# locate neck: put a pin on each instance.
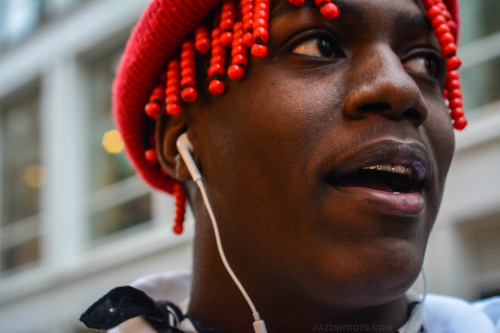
(216, 301)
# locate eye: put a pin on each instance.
(430, 65)
(320, 46)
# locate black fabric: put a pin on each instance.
(203, 328)
(123, 303)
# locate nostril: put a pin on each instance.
(375, 107)
(414, 114)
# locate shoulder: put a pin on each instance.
(172, 286)
(134, 325)
(447, 314)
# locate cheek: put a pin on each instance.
(264, 136)
(440, 137)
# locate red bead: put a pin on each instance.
(298, 3)
(259, 50)
(226, 38)
(453, 27)
(153, 110)
(189, 94)
(157, 95)
(453, 63)
(177, 229)
(238, 48)
(442, 29)
(216, 87)
(453, 84)
(151, 156)
(173, 64)
(457, 113)
(173, 90)
(455, 103)
(460, 123)
(455, 93)
(437, 21)
(261, 33)
(173, 74)
(452, 75)
(203, 45)
(219, 50)
(261, 14)
(226, 24)
(235, 72)
(188, 81)
(241, 60)
(173, 99)
(433, 12)
(428, 3)
(330, 11)
(260, 23)
(188, 63)
(188, 71)
(173, 109)
(248, 39)
(445, 39)
(216, 69)
(201, 39)
(449, 49)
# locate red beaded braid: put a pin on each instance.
(239, 54)
(188, 72)
(180, 209)
(153, 108)
(328, 9)
(260, 26)
(173, 89)
(217, 64)
(247, 20)
(227, 19)
(240, 27)
(202, 39)
(444, 29)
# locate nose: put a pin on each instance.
(380, 85)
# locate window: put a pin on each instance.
(119, 200)
(480, 48)
(480, 17)
(18, 18)
(481, 83)
(22, 177)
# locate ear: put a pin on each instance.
(167, 131)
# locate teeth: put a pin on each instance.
(394, 168)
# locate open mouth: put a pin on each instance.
(392, 178)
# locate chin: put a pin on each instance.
(369, 276)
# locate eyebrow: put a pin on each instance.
(414, 21)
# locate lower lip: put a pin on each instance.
(401, 204)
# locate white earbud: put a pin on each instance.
(185, 148)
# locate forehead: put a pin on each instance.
(397, 17)
(359, 9)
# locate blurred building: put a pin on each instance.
(75, 221)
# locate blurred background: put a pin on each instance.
(76, 221)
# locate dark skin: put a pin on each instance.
(329, 99)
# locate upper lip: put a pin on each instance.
(410, 154)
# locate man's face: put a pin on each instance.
(325, 165)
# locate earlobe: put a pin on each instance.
(168, 129)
